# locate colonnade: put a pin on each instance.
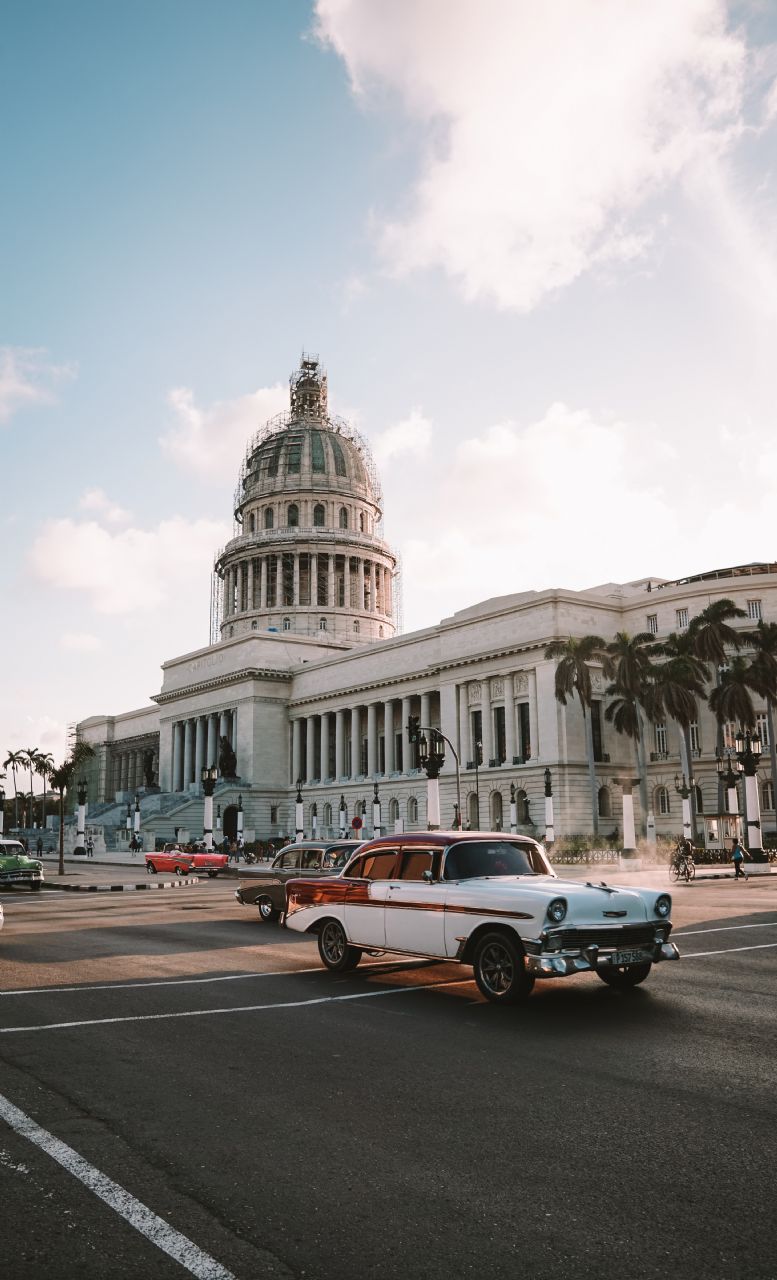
(196, 744)
(324, 580)
(128, 773)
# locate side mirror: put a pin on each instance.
(427, 877)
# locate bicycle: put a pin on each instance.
(682, 865)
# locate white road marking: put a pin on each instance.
(246, 1008)
(694, 955)
(160, 1233)
(724, 928)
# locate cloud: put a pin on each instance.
(548, 130)
(27, 379)
(80, 642)
(409, 438)
(131, 571)
(43, 732)
(98, 501)
(212, 441)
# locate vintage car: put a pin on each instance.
(482, 898)
(17, 868)
(183, 863)
(266, 887)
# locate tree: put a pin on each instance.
(764, 673)
(29, 757)
(632, 668)
(13, 761)
(675, 685)
(573, 676)
(61, 777)
(732, 699)
(711, 636)
(44, 763)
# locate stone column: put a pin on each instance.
(360, 584)
(250, 600)
(388, 735)
(406, 748)
(356, 742)
(177, 756)
(324, 746)
(211, 741)
(426, 705)
(331, 582)
(278, 581)
(233, 729)
(510, 718)
(534, 731)
(486, 718)
(339, 744)
(224, 724)
(263, 582)
(373, 587)
(199, 748)
(314, 580)
(225, 609)
(372, 739)
(295, 579)
(310, 753)
(296, 749)
(124, 771)
(187, 753)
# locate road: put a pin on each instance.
(251, 1115)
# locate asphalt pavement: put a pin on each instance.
(209, 1101)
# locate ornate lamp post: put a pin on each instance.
(414, 729)
(431, 757)
(729, 780)
(239, 820)
(343, 813)
(209, 777)
(128, 819)
(2, 810)
(476, 763)
(299, 818)
(136, 818)
(377, 826)
(80, 846)
(314, 820)
(747, 747)
(629, 830)
(513, 809)
(684, 792)
(550, 830)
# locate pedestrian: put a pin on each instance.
(738, 857)
(89, 847)
(39, 846)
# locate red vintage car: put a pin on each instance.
(183, 863)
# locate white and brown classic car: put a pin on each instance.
(265, 887)
(486, 899)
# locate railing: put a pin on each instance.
(294, 532)
(585, 856)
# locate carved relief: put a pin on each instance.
(498, 687)
(597, 681)
(521, 682)
(474, 693)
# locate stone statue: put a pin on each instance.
(148, 768)
(227, 758)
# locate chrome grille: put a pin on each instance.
(636, 935)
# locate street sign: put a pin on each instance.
(356, 823)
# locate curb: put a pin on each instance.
(119, 888)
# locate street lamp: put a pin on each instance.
(747, 748)
(629, 831)
(209, 776)
(376, 815)
(343, 816)
(684, 792)
(729, 779)
(513, 809)
(414, 728)
(550, 830)
(239, 822)
(299, 820)
(475, 764)
(314, 820)
(81, 791)
(431, 757)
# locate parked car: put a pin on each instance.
(16, 867)
(266, 888)
(482, 898)
(183, 863)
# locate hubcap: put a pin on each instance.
(265, 908)
(333, 944)
(497, 969)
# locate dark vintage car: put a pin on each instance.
(266, 887)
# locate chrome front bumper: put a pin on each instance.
(560, 964)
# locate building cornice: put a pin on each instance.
(222, 682)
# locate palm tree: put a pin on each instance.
(573, 676)
(632, 665)
(61, 777)
(711, 636)
(764, 672)
(29, 758)
(13, 761)
(675, 685)
(44, 763)
(732, 699)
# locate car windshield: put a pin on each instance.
(339, 857)
(490, 858)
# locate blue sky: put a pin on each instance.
(536, 254)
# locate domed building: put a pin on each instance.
(308, 554)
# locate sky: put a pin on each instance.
(535, 247)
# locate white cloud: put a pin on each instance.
(43, 732)
(131, 571)
(548, 128)
(80, 642)
(211, 441)
(97, 500)
(409, 438)
(27, 378)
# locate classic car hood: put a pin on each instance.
(12, 862)
(585, 901)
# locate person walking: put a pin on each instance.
(39, 846)
(89, 847)
(738, 857)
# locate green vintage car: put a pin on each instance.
(16, 867)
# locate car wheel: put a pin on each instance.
(267, 912)
(625, 976)
(335, 950)
(180, 871)
(212, 875)
(35, 886)
(500, 969)
(150, 869)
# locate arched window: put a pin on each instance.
(292, 515)
(380, 633)
(342, 815)
(322, 624)
(412, 809)
(699, 800)
(662, 801)
(269, 519)
(496, 811)
(393, 812)
(252, 523)
(253, 625)
(343, 517)
(287, 624)
(605, 803)
(319, 515)
(231, 631)
(767, 796)
(361, 522)
(473, 819)
(328, 816)
(356, 625)
(338, 456)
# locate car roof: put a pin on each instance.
(321, 844)
(444, 837)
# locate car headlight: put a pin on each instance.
(663, 905)
(557, 909)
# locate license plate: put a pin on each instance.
(629, 957)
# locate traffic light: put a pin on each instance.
(413, 728)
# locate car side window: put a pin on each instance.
(380, 866)
(289, 860)
(414, 863)
(311, 860)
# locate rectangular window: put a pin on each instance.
(661, 737)
(500, 740)
(682, 619)
(524, 734)
(754, 610)
(294, 457)
(663, 801)
(477, 732)
(762, 725)
(729, 734)
(399, 760)
(652, 623)
(694, 732)
(596, 729)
